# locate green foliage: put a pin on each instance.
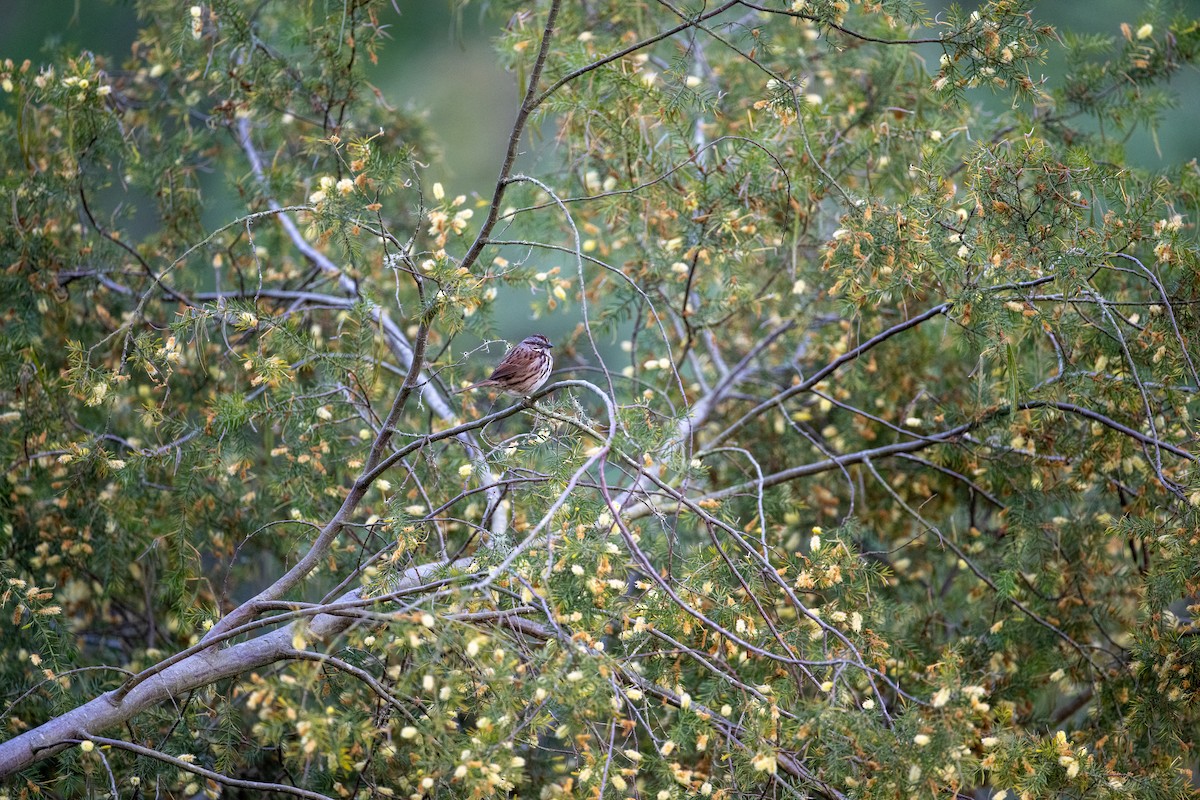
(887, 487)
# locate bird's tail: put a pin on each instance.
(474, 386)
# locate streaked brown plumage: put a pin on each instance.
(523, 369)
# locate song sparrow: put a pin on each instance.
(523, 369)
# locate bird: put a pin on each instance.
(523, 369)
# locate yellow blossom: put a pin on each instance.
(97, 395)
(764, 762)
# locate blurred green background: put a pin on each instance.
(441, 62)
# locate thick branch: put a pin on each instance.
(201, 669)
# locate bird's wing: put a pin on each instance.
(511, 367)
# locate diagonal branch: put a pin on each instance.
(195, 769)
(202, 668)
(531, 101)
(829, 368)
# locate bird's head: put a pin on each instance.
(537, 341)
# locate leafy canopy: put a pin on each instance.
(871, 471)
